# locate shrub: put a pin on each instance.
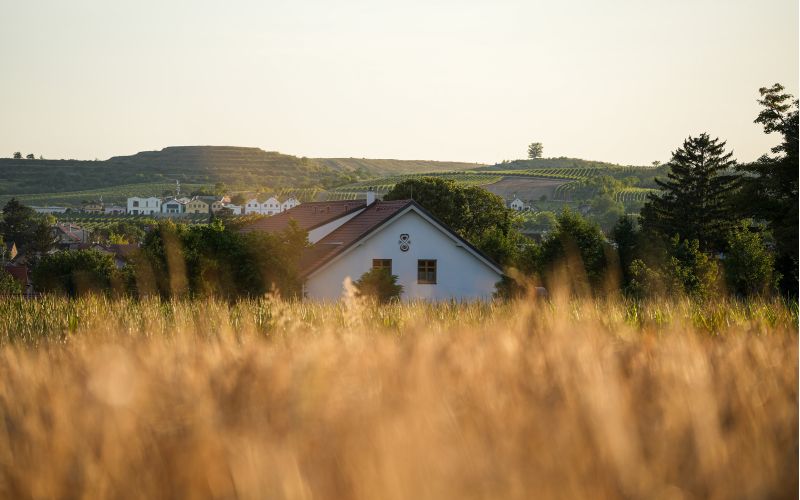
(748, 264)
(379, 284)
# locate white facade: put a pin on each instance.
(461, 273)
(173, 207)
(289, 203)
(517, 204)
(235, 209)
(252, 207)
(50, 210)
(144, 206)
(271, 207)
(114, 209)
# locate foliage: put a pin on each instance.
(579, 248)
(74, 273)
(695, 201)
(9, 285)
(30, 231)
(379, 284)
(474, 213)
(770, 186)
(748, 265)
(535, 150)
(684, 271)
(214, 260)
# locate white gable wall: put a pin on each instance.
(460, 274)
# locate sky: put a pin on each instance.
(624, 81)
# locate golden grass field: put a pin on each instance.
(103, 398)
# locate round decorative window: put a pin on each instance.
(404, 242)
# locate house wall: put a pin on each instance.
(460, 275)
(147, 206)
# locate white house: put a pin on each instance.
(271, 206)
(351, 237)
(144, 206)
(113, 210)
(50, 210)
(289, 203)
(252, 207)
(517, 204)
(235, 209)
(173, 207)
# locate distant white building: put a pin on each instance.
(113, 210)
(50, 210)
(289, 203)
(271, 207)
(173, 207)
(235, 209)
(144, 206)
(517, 204)
(252, 207)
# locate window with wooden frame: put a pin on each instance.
(382, 264)
(426, 272)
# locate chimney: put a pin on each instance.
(370, 196)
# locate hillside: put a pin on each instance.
(389, 167)
(238, 167)
(560, 162)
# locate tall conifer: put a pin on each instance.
(695, 201)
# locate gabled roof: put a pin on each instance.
(307, 215)
(372, 219)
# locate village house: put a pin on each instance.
(233, 209)
(271, 206)
(349, 238)
(252, 207)
(173, 207)
(517, 204)
(113, 210)
(69, 236)
(288, 204)
(144, 206)
(50, 210)
(196, 206)
(92, 207)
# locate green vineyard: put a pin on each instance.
(633, 194)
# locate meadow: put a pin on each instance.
(262, 398)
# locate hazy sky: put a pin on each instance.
(615, 80)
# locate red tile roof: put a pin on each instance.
(307, 215)
(350, 232)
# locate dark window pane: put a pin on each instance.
(426, 271)
(382, 264)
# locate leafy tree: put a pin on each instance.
(535, 150)
(30, 231)
(606, 211)
(683, 270)
(626, 238)
(695, 201)
(769, 190)
(379, 284)
(748, 265)
(213, 259)
(30, 156)
(74, 272)
(238, 199)
(9, 285)
(17, 155)
(580, 247)
(472, 212)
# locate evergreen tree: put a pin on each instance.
(695, 201)
(769, 191)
